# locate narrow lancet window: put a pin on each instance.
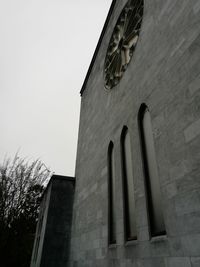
(112, 195)
(128, 186)
(154, 200)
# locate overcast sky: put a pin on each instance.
(46, 47)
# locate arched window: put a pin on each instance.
(128, 186)
(154, 201)
(112, 195)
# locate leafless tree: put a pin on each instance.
(21, 186)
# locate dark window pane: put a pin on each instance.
(129, 201)
(112, 195)
(152, 179)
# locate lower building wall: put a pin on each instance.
(58, 226)
(40, 230)
(52, 239)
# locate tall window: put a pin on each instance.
(128, 186)
(112, 195)
(156, 220)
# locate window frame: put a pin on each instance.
(147, 179)
(112, 237)
(125, 185)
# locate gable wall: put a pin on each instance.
(164, 73)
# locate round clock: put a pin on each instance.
(123, 42)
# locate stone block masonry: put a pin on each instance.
(164, 74)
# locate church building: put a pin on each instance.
(137, 179)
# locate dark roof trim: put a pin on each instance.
(62, 177)
(98, 46)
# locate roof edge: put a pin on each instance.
(62, 177)
(97, 47)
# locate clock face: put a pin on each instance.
(123, 42)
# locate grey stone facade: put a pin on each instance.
(52, 240)
(164, 73)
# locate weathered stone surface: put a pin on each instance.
(195, 261)
(192, 131)
(178, 262)
(163, 73)
(191, 245)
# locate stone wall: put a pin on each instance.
(54, 242)
(164, 73)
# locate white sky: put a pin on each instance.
(46, 47)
